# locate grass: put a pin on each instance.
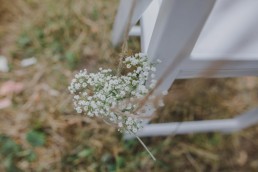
(41, 132)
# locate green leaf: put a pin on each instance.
(31, 156)
(56, 47)
(111, 167)
(106, 157)
(10, 165)
(71, 59)
(3, 138)
(94, 14)
(9, 147)
(85, 153)
(36, 138)
(120, 162)
(24, 40)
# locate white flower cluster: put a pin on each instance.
(111, 97)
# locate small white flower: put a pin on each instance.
(127, 88)
(78, 109)
(93, 104)
(153, 69)
(76, 97)
(164, 92)
(77, 86)
(134, 83)
(90, 114)
(145, 73)
(102, 97)
(84, 84)
(122, 93)
(120, 124)
(142, 54)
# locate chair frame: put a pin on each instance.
(184, 32)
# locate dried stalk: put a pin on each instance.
(122, 56)
(126, 35)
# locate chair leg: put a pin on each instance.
(174, 37)
(147, 23)
(123, 15)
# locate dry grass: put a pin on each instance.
(69, 35)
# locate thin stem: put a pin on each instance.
(146, 148)
(126, 34)
(127, 29)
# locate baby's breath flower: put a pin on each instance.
(111, 97)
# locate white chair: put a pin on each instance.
(195, 38)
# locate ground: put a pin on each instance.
(40, 131)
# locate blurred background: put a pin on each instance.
(42, 45)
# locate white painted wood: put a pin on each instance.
(135, 31)
(166, 129)
(229, 24)
(176, 31)
(123, 15)
(148, 21)
(230, 32)
(225, 125)
(228, 73)
(227, 68)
